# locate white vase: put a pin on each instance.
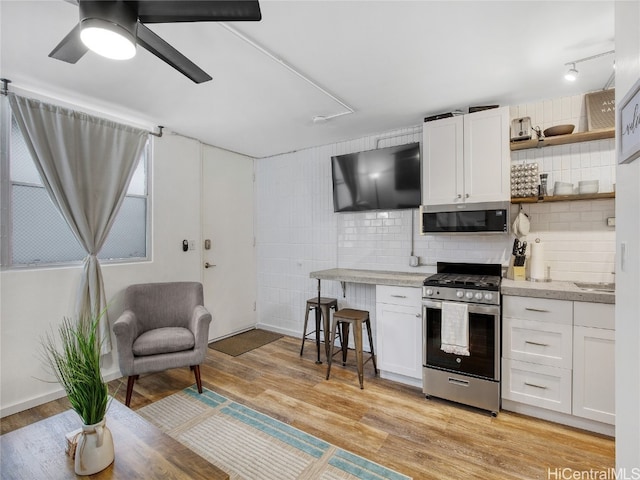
(94, 451)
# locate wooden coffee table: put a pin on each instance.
(142, 451)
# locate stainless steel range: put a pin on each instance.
(462, 328)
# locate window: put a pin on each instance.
(35, 233)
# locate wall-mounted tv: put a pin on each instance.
(382, 179)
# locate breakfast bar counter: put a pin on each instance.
(371, 277)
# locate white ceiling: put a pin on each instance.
(393, 62)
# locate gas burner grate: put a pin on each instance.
(485, 282)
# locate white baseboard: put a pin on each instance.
(276, 329)
(236, 332)
(396, 377)
(41, 399)
(558, 417)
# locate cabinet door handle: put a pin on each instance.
(529, 309)
(459, 196)
(467, 195)
(399, 296)
(418, 315)
(536, 343)
(534, 385)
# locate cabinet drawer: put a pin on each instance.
(537, 385)
(596, 315)
(539, 309)
(537, 342)
(409, 296)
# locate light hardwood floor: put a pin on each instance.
(389, 423)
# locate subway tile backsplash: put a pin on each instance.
(298, 232)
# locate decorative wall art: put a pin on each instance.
(629, 123)
(601, 109)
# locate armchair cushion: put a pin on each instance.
(163, 340)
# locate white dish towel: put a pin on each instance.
(454, 336)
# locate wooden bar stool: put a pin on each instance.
(345, 318)
(326, 304)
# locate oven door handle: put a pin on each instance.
(473, 307)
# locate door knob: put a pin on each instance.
(208, 265)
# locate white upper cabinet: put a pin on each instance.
(466, 158)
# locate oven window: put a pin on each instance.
(482, 346)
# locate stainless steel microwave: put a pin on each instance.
(479, 218)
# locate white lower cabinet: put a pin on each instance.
(594, 362)
(537, 352)
(538, 342)
(399, 333)
(537, 385)
(559, 355)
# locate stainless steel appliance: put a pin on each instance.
(521, 129)
(488, 217)
(472, 379)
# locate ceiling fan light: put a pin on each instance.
(108, 39)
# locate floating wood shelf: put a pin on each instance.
(564, 139)
(564, 198)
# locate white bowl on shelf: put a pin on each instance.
(588, 186)
(563, 188)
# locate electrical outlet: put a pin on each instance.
(611, 221)
(192, 244)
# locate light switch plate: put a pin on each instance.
(611, 221)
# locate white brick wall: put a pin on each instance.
(297, 231)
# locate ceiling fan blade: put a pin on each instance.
(70, 49)
(169, 11)
(165, 52)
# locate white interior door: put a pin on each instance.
(227, 222)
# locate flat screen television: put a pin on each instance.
(383, 179)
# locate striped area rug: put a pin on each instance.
(249, 445)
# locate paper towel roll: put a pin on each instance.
(536, 271)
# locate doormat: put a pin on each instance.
(244, 342)
(250, 445)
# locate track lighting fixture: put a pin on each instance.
(572, 73)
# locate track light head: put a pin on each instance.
(572, 73)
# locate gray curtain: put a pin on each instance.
(86, 164)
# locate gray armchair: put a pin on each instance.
(163, 326)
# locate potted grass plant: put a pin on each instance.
(74, 358)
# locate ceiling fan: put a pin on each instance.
(112, 28)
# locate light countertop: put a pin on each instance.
(372, 277)
(555, 290)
